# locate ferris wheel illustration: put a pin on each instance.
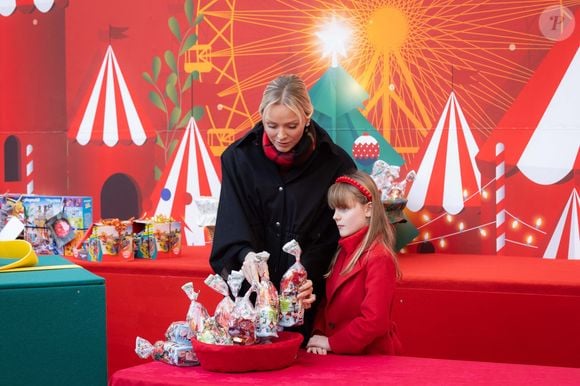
(406, 54)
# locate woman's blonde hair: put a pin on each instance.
(290, 91)
(344, 195)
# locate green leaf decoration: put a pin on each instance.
(170, 60)
(198, 112)
(170, 89)
(172, 147)
(156, 99)
(184, 120)
(174, 27)
(198, 19)
(188, 6)
(159, 141)
(189, 80)
(158, 173)
(174, 117)
(156, 68)
(147, 77)
(189, 42)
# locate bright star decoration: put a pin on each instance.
(334, 36)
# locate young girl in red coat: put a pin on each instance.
(355, 316)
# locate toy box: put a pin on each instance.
(157, 238)
(106, 238)
(40, 213)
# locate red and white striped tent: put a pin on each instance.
(110, 114)
(7, 7)
(191, 176)
(541, 135)
(565, 240)
(447, 176)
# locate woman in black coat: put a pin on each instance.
(274, 185)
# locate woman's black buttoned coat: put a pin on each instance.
(260, 209)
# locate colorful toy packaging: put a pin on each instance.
(111, 237)
(158, 236)
(51, 223)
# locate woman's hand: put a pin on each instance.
(305, 293)
(318, 344)
(250, 268)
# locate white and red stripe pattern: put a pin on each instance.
(565, 240)
(102, 115)
(7, 7)
(553, 147)
(190, 176)
(454, 163)
(29, 169)
(500, 224)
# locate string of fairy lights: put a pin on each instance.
(515, 222)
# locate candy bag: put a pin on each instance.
(267, 307)
(291, 309)
(213, 333)
(223, 310)
(168, 352)
(179, 332)
(197, 312)
(242, 326)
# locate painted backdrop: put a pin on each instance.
(132, 102)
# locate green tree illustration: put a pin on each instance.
(337, 100)
(168, 95)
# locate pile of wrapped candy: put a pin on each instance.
(385, 176)
(392, 190)
(175, 350)
(240, 321)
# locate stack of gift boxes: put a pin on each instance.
(63, 225)
(52, 224)
(151, 238)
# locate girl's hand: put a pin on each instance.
(318, 344)
(306, 295)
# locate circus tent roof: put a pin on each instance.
(450, 154)
(553, 147)
(103, 115)
(190, 176)
(565, 240)
(541, 130)
(7, 7)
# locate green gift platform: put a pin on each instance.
(52, 325)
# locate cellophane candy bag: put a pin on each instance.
(179, 332)
(168, 352)
(197, 312)
(267, 307)
(223, 310)
(213, 333)
(242, 327)
(291, 309)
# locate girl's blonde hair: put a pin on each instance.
(344, 195)
(290, 91)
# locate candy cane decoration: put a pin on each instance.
(29, 170)
(500, 225)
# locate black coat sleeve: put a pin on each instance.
(233, 237)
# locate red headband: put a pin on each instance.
(347, 180)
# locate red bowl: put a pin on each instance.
(258, 357)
